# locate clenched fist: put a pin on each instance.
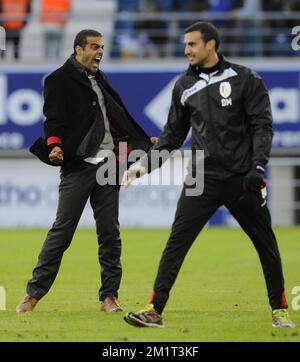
(56, 156)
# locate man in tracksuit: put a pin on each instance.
(85, 122)
(228, 108)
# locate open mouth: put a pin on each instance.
(96, 61)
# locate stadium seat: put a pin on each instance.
(128, 5)
(92, 14)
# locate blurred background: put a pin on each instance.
(143, 58)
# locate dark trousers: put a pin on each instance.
(74, 190)
(193, 212)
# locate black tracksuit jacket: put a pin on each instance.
(230, 115)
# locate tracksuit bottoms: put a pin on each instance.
(193, 212)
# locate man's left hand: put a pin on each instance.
(254, 181)
(131, 174)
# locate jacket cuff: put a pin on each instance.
(53, 142)
(259, 167)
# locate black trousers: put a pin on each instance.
(192, 214)
(74, 190)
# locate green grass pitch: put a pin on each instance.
(220, 293)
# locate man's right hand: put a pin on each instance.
(132, 174)
(56, 156)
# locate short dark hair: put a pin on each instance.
(81, 37)
(208, 31)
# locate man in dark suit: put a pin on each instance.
(85, 121)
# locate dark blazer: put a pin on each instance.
(72, 110)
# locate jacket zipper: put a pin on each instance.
(210, 124)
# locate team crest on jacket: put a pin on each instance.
(225, 91)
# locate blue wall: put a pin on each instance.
(147, 94)
(21, 102)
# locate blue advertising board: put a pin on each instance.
(147, 94)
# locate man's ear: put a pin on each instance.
(211, 44)
(78, 50)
